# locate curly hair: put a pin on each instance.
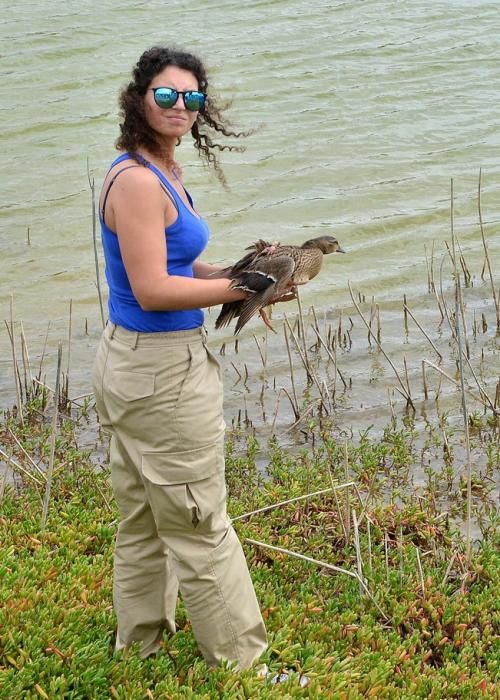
(135, 130)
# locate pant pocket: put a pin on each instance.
(187, 489)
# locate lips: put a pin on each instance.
(176, 119)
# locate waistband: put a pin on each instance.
(136, 338)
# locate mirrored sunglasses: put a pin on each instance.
(166, 97)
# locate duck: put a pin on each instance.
(271, 270)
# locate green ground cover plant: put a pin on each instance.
(407, 613)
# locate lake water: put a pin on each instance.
(365, 112)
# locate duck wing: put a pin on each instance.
(264, 281)
(257, 250)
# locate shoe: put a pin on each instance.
(284, 675)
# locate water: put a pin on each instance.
(364, 113)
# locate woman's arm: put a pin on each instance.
(139, 212)
(203, 270)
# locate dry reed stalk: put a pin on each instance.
(496, 294)
(301, 417)
(262, 358)
(404, 389)
(237, 372)
(68, 360)
(486, 401)
(405, 314)
(372, 316)
(465, 269)
(15, 464)
(315, 326)
(280, 392)
(465, 413)
(265, 509)
(341, 518)
(295, 403)
(302, 329)
(326, 392)
(450, 565)
(28, 457)
(386, 552)
(333, 358)
(407, 377)
(14, 360)
(423, 331)
(322, 564)
(369, 534)
(347, 494)
(429, 284)
(461, 306)
(420, 571)
(339, 330)
(359, 561)
(28, 386)
(401, 560)
(391, 404)
(94, 241)
(50, 469)
(426, 394)
(3, 482)
(310, 372)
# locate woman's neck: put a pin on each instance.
(165, 162)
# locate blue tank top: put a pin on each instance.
(186, 238)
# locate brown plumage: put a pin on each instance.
(269, 271)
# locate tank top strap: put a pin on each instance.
(138, 162)
(159, 175)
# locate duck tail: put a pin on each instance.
(252, 306)
(229, 311)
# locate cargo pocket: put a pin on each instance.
(186, 488)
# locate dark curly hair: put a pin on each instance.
(135, 130)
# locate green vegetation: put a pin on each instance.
(425, 624)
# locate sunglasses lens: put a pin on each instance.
(165, 97)
(194, 100)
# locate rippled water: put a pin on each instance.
(365, 111)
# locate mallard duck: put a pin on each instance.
(269, 271)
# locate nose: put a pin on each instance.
(179, 104)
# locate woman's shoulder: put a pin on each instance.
(128, 180)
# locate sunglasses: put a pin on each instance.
(166, 97)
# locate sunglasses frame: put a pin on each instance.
(177, 93)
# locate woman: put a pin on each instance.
(158, 388)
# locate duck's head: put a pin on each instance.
(327, 244)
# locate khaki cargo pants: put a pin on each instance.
(160, 396)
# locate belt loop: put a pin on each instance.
(204, 335)
(136, 340)
(113, 329)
